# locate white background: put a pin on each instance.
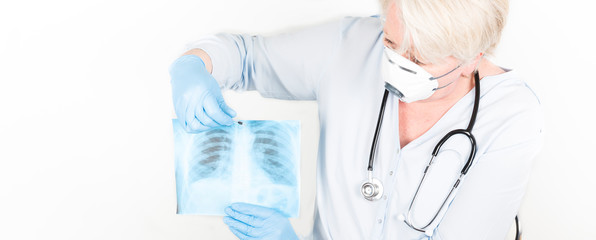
(86, 148)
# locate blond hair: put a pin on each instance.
(437, 29)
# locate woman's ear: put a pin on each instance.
(469, 68)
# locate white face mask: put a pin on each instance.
(406, 79)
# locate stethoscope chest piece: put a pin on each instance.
(372, 189)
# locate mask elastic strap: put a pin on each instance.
(433, 78)
(444, 85)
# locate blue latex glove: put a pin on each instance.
(248, 221)
(197, 97)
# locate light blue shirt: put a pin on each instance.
(338, 65)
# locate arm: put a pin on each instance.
(285, 66)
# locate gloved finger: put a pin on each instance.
(180, 109)
(204, 118)
(195, 126)
(223, 106)
(241, 235)
(227, 109)
(253, 210)
(182, 123)
(245, 218)
(214, 111)
(191, 123)
(243, 228)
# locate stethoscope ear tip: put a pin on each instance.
(401, 217)
(429, 232)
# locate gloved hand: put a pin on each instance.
(248, 221)
(197, 97)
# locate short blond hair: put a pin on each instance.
(437, 29)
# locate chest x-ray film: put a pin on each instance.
(254, 162)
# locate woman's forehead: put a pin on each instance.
(393, 30)
(393, 27)
(393, 38)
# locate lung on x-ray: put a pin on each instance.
(255, 162)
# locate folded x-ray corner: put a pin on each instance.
(255, 162)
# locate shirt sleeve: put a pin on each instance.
(492, 192)
(284, 66)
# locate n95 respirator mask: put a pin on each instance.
(406, 79)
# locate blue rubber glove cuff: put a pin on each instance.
(188, 62)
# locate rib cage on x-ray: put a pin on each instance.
(272, 150)
(213, 154)
(255, 162)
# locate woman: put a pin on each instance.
(344, 66)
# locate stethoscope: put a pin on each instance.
(372, 189)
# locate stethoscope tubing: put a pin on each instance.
(467, 132)
(373, 148)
